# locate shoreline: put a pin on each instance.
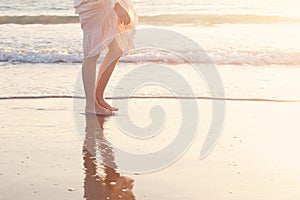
(268, 83)
(156, 97)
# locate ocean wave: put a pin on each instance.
(218, 57)
(43, 19)
(35, 57)
(213, 19)
(165, 19)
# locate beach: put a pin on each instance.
(209, 102)
(42, 144)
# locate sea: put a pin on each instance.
(254, 42)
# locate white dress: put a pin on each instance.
(100, 25)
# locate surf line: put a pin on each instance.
(155, 97)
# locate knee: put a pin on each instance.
(115, 54)
(115, 50)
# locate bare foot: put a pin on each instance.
(98, 110)
(104, 104)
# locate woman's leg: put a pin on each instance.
(106, 69)
(88, 77)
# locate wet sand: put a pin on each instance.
(42, 154)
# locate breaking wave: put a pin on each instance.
(220, 58)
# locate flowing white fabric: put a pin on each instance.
(100, 25)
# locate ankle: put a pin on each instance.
(99, 95)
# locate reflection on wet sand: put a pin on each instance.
(110, 185)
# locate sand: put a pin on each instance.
(256, 157)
